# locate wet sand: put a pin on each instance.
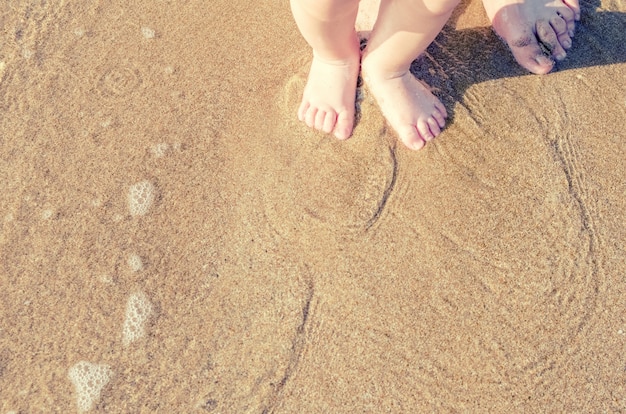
(269, 268)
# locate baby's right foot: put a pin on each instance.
(411, 109)
(329, 95)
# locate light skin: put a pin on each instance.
(403, 30)
(527, 25)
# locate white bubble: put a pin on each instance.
(79, 31)
(89, 379)
(148, 33)
(135, 263)
(141, 197)
(160, 149)
(169, 70)
(138, 312)
(47, 214)
(106, 278)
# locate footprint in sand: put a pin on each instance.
(342, 185)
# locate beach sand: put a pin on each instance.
(269, 268)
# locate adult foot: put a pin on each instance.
(538, 32)
(411, 109)
(329, 96)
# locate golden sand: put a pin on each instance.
(275, 269)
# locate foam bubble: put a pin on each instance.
(138, 312)
(148, 33)
(106, 278)
(89, 379)
(134, 262)
(47, 214)
(160, 149)
(141, 197)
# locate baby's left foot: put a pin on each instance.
(411, 109)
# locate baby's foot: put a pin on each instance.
(329, 95)
(411, 109)
(528, 25)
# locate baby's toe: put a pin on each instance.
(323, 119)
(411, 138)
(344, 125)
(302, 110)
(310, 116)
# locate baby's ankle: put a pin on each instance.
(375, 72)
(348, 60)
(373, 69)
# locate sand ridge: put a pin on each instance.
(275, 269)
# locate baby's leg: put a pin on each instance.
(403, 30)
(528, 24)
(329, 95)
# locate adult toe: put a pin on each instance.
(525, 47)
(569, 17)
(440, 118)
(442, 109)
(434, 127)
(574, 6)
(559, 25)
(548, 37)
(424, 130)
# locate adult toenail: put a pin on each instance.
(571, 33)
(567, 43)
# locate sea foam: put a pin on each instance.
(138, 312)
(89, 379)
(141, 196)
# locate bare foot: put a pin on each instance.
(411, 109)
(329, 95)
(531, 26)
